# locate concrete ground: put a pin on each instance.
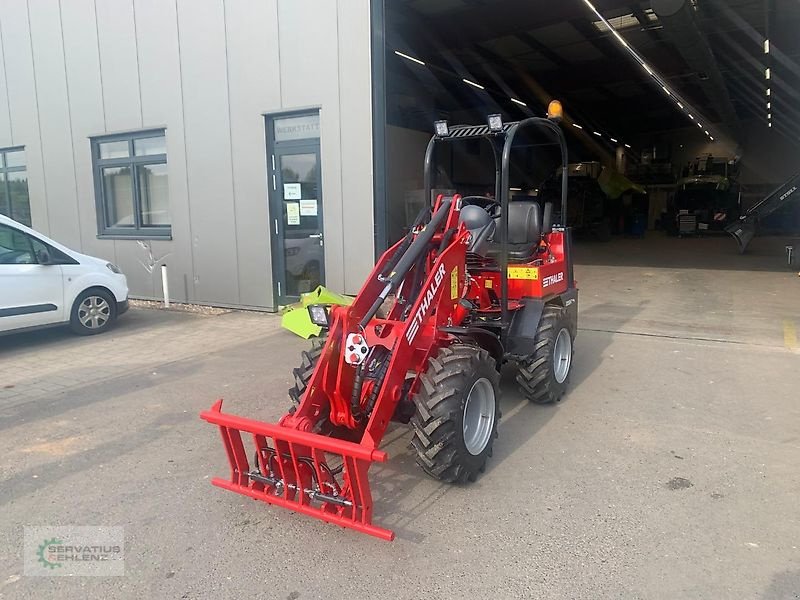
(668, 471)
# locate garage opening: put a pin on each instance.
(681, 115)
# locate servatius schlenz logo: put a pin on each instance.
(47, 553)
(74, 550)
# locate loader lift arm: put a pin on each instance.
(744, 230)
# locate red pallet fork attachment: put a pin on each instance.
(292, 471)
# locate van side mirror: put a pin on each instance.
(43, 257)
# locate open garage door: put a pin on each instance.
(680, 114)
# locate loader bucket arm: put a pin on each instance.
(292, 469)
(309, 461)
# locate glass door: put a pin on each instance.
(298, 244)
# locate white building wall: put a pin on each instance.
(207, 71)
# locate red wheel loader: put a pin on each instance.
(476, 283)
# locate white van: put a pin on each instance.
(44, 284)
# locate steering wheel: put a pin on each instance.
(490, 205)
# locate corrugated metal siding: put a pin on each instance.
(206, 70)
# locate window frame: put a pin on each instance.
(5, 170)
(138, 230)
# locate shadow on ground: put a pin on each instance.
(784, 586)
(400, 479)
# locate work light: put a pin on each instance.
(495, 123)
(318, 314)
(441, 128)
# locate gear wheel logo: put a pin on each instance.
(45, 556)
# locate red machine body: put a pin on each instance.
(316, 459)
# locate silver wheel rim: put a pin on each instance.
(94, 312)
(562, 356)
(479, 412)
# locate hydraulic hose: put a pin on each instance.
(355, 398)
(406, 242)
(376, 387)
(410, 256)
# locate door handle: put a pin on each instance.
(316, 236)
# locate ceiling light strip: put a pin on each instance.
(411, 58)
(638, 58)
(513, 99)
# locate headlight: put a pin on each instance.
(318, 314)
(113, 268)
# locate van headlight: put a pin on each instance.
(113, 268)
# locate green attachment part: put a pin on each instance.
(295, 317)
(614, 184)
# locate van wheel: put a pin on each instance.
(93, 312)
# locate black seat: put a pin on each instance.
(480, 224)
(524, 231)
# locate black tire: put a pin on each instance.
(537, 372)
(85, 322)
(440, 409)
(303, 373)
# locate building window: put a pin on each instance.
(131, 186)
(14, 200)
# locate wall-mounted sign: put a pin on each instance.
(293, 213)
(292, 191)
(308, 208)
(296, 128)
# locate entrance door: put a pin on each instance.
(296, 209)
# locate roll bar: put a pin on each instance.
(501, 142)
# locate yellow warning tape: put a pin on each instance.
(789, 334)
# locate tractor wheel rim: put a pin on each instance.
(479, 414)
(94, 312)
(562, 356)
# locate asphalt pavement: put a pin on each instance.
(669, 470)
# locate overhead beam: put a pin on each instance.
(503, 17)
(680, 26)
(543, 49)
(647, 26)
(601, 43)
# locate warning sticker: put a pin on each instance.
(531, 273)
(454, 283)
(488, 283)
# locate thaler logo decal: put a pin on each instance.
(552, 279)
(427, 299)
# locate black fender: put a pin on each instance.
(483, 338)
(525, 321)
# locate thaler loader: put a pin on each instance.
(476, 283)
